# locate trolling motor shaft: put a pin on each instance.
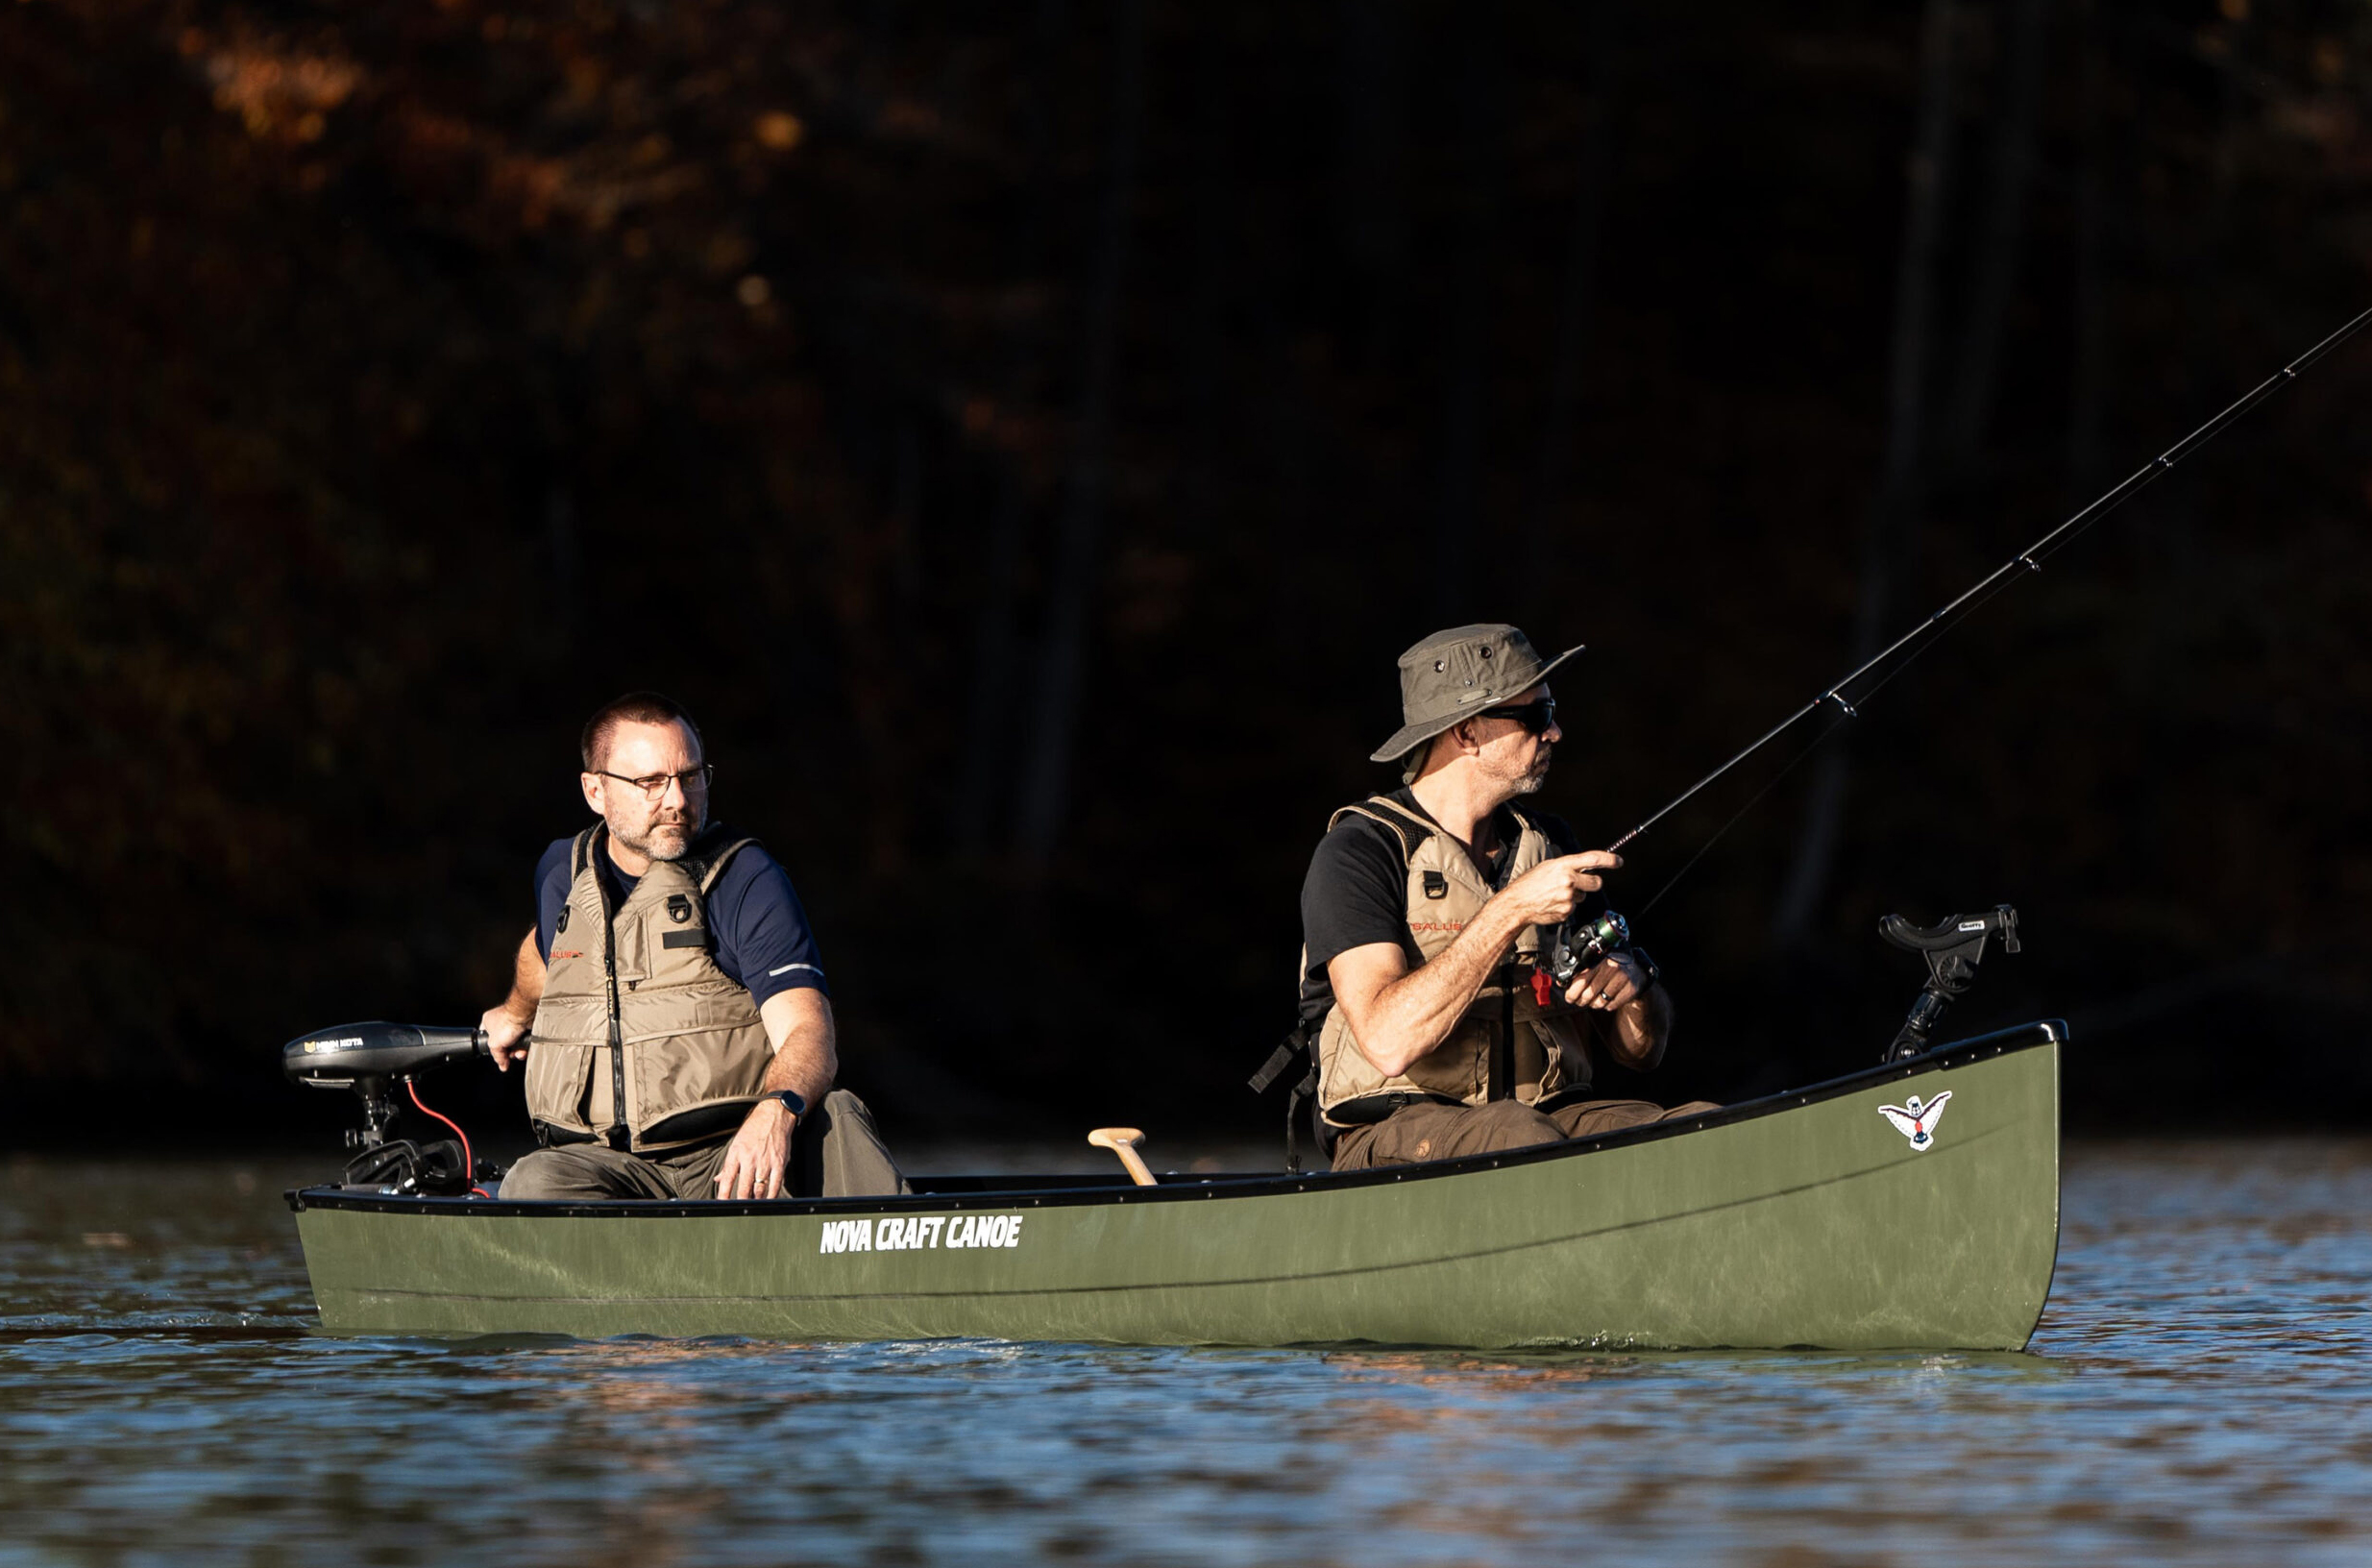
(1952, 947)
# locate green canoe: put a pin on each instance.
(1848, 1214)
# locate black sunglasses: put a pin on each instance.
(1537, 718)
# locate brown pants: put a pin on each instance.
(835, 1152)
(1418, 1133)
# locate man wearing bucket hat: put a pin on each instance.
(1428, 911)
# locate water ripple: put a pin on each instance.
(2193, 1396)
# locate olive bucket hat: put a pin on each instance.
(1462, 671)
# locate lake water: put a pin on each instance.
(2198, 1393)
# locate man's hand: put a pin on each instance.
(1548, 893)
(507, 1035)
(1642, 1020)
(1615, 983)
(760, 1153)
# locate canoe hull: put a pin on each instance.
(1806, 1220)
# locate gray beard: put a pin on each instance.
(658, 850)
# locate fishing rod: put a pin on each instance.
(2029, 559)
(1576, 949)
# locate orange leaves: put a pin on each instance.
(279, 91)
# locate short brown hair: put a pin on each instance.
(633, 708)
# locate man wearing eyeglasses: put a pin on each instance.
(1427, 914)
(669, 1005)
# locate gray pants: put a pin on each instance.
(1418, 1133)
(835, 1152)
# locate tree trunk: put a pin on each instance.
(1047, 770)
(1593, 163)
(1205, 320)
(1996, 271)
(1890, 537)
(995, 651)
(2088, 378)
(1459, 514)
(1373, 213)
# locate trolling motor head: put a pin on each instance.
(374, 1059)
(1952, 947)
(354, 1055)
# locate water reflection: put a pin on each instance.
(2193, 1396)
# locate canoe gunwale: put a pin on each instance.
(2046, 1032)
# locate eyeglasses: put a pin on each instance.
(1537, 718)
(654, 787)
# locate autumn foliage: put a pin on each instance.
(1026, 434)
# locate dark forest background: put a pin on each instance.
(1026, 433)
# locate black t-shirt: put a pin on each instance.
(1356, 893)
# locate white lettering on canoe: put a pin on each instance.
(900, 1233)
(847, 1236)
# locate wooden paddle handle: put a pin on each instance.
(1123, 1141)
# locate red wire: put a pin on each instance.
(469, 1166)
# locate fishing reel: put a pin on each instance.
(1952, 947)
(1584, 943)
(375, 1060)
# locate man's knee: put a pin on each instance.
(552, 1173)
(841, 1153)
(579, 1172)
(1502, 1125)
(1440, 1132)
(1593, 1119)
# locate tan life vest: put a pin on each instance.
(641, 1041)
(1541, 1053)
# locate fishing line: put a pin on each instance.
(1814, 745)
(1775, 779)
(1983, 591)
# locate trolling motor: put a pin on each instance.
(374, 1060)
(1952, 947)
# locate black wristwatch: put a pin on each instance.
(791, 1102)
(1651, 975)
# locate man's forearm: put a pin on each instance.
(806, 1047)
(804, 1064)
(527, 981)
(1641, 1029)
(799, 1023)
(507, 1022)
(1416, 1012)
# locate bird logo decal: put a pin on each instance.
(1917, 1121)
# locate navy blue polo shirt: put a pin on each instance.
(763, 940)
